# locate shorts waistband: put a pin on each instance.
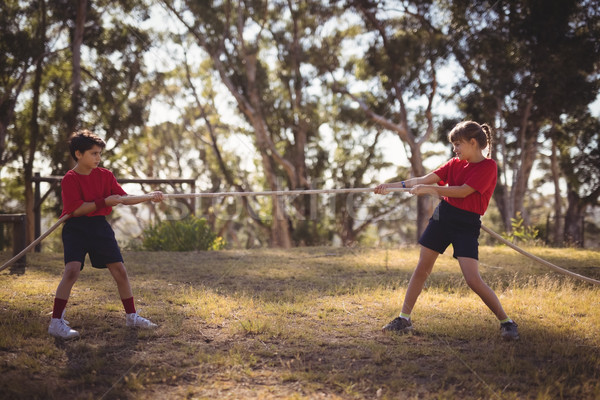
(84, 219)
(447, 212)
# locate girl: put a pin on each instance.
(465, 185)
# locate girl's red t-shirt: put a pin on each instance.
(481, 176)
(78, 189)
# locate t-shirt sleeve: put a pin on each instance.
(71, 194)
(115, 188)
(481, 181)
(442, 172)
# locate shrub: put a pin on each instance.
(521, 232)
(188, 234)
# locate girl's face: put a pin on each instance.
(89, 159)
(467, 150)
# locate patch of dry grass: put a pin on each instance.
(303, 323)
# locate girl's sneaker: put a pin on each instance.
(60, 328)
(398, 325)
(508, 331)
(135, 321)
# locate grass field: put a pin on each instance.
(303, 324)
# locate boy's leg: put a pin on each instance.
(470, 270)
(119, 273)
(63, 291)
(58, 327)
(427, 259)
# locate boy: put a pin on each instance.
(89, 193)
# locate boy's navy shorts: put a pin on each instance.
(451, 225)
(93, 236)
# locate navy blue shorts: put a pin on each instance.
(451, 225)
(93, 236)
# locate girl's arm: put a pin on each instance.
(447, 191)
(428, 179)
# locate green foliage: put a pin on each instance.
(521, 232)
(188, 234)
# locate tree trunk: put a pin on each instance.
(73, 115)
(502, 193)
(34, 126)
(555, 169)
(424, 203)
(528, 150)
(573, 234)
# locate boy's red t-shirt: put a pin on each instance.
(480, 176)
(78, 189)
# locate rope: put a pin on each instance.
(268, 193)
(303, 192)
(35, 242)
(194, 195)
(540, 260)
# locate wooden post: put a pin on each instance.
(19, 222)
(37, 211)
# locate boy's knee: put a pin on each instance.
(118, 271)
(71, 273)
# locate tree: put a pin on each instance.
(20, 30)
(260, 52)
(579, 149)
(526, 63)
(65, 91)
(400, 67)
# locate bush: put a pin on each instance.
(521, 232)
(188, 234)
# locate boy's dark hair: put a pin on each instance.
(84, 140)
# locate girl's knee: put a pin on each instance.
(475, 282)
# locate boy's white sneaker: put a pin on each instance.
(60, 328)
(135, 321)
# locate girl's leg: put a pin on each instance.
(470, 270)
(426, 260)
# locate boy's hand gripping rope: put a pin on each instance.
(302, 192)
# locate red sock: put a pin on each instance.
(59, 307)
(129, 306)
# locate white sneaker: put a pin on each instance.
(60, 329)
(135, 321)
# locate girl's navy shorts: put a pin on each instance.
(451, 225)
(93, 236)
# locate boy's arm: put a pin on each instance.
(156, 197)
(91, 206)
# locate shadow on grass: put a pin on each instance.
(35, 365)
(343, 352)
(303, 324)
(444, 358)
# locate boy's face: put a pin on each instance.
(89, 159)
